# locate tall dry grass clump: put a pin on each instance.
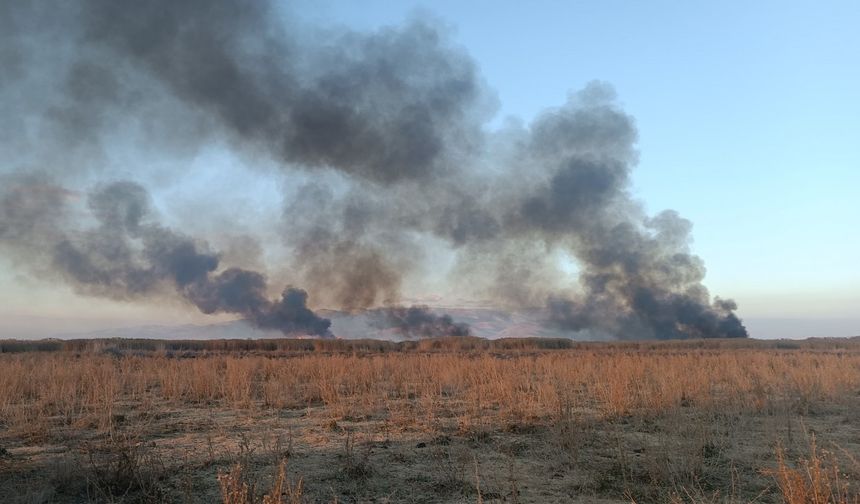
(814, 479)
(238, 488)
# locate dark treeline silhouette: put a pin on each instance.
(281, 346)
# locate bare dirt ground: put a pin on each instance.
(424, 448)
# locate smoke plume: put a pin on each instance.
(127, 256)
(417, 322)
(390, 174)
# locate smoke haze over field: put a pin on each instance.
(417, 322)
(387, 133)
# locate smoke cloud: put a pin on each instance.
(380, 141)
(387, 106)
(127, 256)
(417, 322)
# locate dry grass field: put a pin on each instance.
(450, 420)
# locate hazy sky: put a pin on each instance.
(748, 114)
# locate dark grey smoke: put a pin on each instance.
(387, 131)
(637, 276)
(393, 106)
(126, 256)
(339, 254)
(245, 292)
(388, 106)
(417, 322)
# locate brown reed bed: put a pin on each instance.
(641, 421)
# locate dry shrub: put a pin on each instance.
(126, 468)
(815, 479)
(238, 488)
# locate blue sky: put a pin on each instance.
(748, 115)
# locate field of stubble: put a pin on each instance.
(455, 420)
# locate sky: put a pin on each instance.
(747, 115)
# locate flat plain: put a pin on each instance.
(442, 420)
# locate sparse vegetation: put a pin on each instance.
(237, 489)
(448, 420)
(815, 478)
